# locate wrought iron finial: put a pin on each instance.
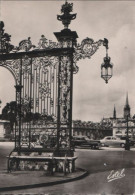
(66, 17)
(26, 45)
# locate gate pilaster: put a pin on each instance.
(18, 116)
(67, 40)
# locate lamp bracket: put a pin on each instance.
(87, 48)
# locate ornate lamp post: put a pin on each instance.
(44, 77)
(127, 145)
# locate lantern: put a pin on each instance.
(106, 68)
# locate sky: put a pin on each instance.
(114, 20)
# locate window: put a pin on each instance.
(108, 138)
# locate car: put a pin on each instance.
(131, 141)
(112, 141)
(84, 141)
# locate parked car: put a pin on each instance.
(131, 141)
(112, 141)
(84, 141)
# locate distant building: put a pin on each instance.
(4, 128)
(91, 129)
(120, 124)
(126, 109)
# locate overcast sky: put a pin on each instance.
(114, 20)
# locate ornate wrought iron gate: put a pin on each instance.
(44, 83)
(43, 92)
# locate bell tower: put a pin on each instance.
(114, 113)
(126, 108)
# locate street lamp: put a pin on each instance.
(106, 66)
(127, 145)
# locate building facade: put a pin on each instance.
(121, 125)
(4, 128)
(116, 126)
(91, 129)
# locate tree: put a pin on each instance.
(8, 113)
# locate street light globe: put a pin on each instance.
(106, 69)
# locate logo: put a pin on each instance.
(116, 175)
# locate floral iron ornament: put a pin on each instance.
(66, 17)
(86, 49)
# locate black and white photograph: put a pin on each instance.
(67, 97)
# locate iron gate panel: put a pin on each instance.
(39, 95)
(43, 92)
